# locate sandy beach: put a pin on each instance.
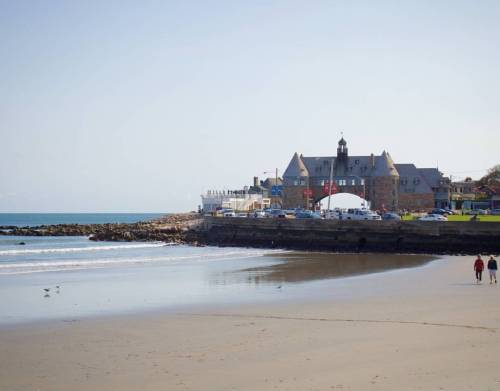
(426, 328)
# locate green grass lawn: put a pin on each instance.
(461, 218)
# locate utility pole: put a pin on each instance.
(276, 184)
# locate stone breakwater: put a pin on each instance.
(304, 234)
(176, 228)
(431, 237)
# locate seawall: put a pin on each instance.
(374, 236)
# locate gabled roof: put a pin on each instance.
(318, 166)
(296, 168)
(269, 182)
(432, 176)
(410, 178)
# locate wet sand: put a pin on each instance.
(146, 279)
(309, 266)
(427, 328)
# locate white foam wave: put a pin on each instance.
(79, 249)
(61, 265)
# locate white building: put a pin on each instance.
(237, 200)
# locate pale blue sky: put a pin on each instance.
(121, 106)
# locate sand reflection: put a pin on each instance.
(303, 266)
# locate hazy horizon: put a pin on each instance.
(141, 107)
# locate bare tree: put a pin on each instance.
(491, 179)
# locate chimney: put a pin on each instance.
(373, 160)
(256, 181)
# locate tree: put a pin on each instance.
(491, 179)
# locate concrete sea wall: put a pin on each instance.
(374, 236)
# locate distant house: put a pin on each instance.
(265, 189)
(468, 194)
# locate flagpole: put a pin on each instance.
(330, 187)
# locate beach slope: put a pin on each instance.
(428, 328)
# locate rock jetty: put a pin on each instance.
(175, 228)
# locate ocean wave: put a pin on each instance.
(23, 267)
(80, 249)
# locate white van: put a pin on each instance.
(360, 214)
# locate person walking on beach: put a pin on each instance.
(478, 268)
(492, 268)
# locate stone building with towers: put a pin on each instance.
(376, 178)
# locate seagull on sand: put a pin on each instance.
(46, 289)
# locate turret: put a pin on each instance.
(342, 149)
(384, 166)
(296, 168)
(341, 162)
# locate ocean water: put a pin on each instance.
(65, 278)
(34, 219)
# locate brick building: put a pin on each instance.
(387, 185)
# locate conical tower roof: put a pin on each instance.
(384, 166)
(296, 168)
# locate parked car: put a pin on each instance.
(495, 212)
(433, 217)
(267, 212)
(478, 212)
(391, 216)
(277, 213)
(441, 211)
(228, 213)
(241, 214)
(259, 213)
(307, 214)
(332, 214)
(360, 214)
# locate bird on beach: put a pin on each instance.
(278, 287)
(46, 289)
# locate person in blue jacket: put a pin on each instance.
(492, 268)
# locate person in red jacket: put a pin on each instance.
(478, 268)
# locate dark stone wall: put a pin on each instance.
(365, 236)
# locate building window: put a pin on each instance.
(353, 182)
(362, 182)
